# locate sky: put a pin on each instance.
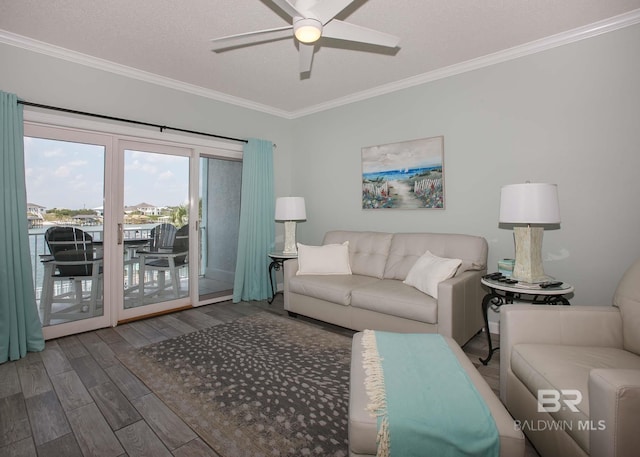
(407, 154)
(61, 174)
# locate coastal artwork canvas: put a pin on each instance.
(405, 175)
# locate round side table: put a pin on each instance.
(501, 293)
(278, 259)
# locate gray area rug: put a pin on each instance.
(261, 385)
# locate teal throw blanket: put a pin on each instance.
(425, 402)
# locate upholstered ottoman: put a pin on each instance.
(363, 425)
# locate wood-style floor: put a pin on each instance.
(76, 399)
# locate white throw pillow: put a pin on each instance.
(429, 270)
(330, 259)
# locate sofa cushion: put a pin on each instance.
(389, 296)
(329, 259)
(429, 271)
(368, 251)
(627, 298)
(406, 248)
(550, 366)
(335, 288)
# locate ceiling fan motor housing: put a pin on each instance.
(307, 29)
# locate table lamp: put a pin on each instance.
(289, 210)
(529, 207)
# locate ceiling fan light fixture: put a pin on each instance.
(307, 30)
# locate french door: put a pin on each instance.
(156, 230)
(123, 226)
(68, 175)
(95, 202)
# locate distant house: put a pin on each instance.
(35, 215)
(35, 210)
(146, 209)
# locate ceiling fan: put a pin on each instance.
(311, 20)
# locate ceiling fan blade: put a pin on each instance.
(350, 32)
(306, 57)
(260, 36)
(288, 8)
(327, 9)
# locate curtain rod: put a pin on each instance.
(130, 121)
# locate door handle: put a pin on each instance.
(120, 234)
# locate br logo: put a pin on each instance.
(552, 400)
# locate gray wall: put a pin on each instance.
(43, 79)
(570, 115)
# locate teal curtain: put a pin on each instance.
(257, 224)
(20, 328)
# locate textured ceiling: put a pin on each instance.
(171, 39)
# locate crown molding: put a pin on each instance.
(129, 72)
(571, 36)
(533, 47)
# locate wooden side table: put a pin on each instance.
(501, 293)
(278, 259)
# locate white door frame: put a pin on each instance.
(113, 258)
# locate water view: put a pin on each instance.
(396, 175)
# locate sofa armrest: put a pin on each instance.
(459, 306)
(290, 269)
(614, 408)
(556, 324)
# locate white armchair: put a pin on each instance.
(571, 374)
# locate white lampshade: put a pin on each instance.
(290, 209)
(529, 203)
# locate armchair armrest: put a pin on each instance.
(153, 251)
(556, 324)
(459, 306)
(93, 261)
(162, 254)
(161, 259)
(614, 408)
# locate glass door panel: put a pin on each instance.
(119, 214)
(65, 184)
(220, 185)
(155, 230)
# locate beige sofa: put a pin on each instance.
(374, 296)
(590, 352)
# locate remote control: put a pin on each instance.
(494, 276)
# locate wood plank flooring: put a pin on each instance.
(75, 398)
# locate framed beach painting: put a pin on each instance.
(405, 175)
